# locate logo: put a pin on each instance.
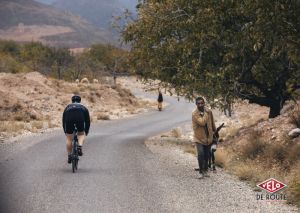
(271, 185)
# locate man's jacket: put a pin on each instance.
(203, 126)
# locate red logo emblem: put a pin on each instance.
(271, 185)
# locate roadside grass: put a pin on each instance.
(253, 147)
(11, 126)
(295, 117)
(294, 186)
(222, 157)
(103, 116)
(256, 160)
(245, 171)
(176, 132)
(190, 148)
(36, 125)
(131, 110)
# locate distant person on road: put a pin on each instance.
(75, 114)
(160, 100)
(204, 127)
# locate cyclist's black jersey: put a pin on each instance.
(78, 114)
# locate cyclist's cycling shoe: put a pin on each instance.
(69, 158)
(80, 151)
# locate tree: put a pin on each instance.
(221, 49)
(38, 56)
(61, 59)
(113, 58)
(10, 47)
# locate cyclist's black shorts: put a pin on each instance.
(74, 117)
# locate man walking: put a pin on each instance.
(160, 100)
(204, 127)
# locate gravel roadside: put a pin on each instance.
(221, 192)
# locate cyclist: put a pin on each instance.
(75, 114)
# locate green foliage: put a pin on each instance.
(37, 56)
(10, 48)
(10, 64)
(221, 49)
(60, 62)
(110, 57)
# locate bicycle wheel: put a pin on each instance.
(74, 157)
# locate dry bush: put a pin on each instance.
(190, 148)
(37, 124)
(122, 91)
(20, 117)
(176, 133)
(98, 94)
(92, 99)
(275, 153)
(254, 147)
(25, 115)
(11, 126)
(295, 118)
(223, 157)
(293, 156)
(230, 131)
(294, 190)
(131, 110)
(102, 116)
(75, 91)
(51, 124)
(245, 171)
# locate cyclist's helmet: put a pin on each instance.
(76, 99)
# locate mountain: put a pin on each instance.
(98, 12)
(27, 20)
(46, 1)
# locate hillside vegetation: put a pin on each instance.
(96, 62)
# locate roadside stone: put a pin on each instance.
(294, 133)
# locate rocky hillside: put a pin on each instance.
(27, 20)
(32, 103)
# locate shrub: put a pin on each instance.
(11, 126)
(294, 190)
(295, 118)
(223, 157)
(190, 148)
(244, 171)
(293, 156)
(37, 124)
(254, 146)
(276, 153)
(102, 116)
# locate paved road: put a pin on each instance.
(116, 174)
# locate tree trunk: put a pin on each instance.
(59, 73)
(229, 109)
(275, 107)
